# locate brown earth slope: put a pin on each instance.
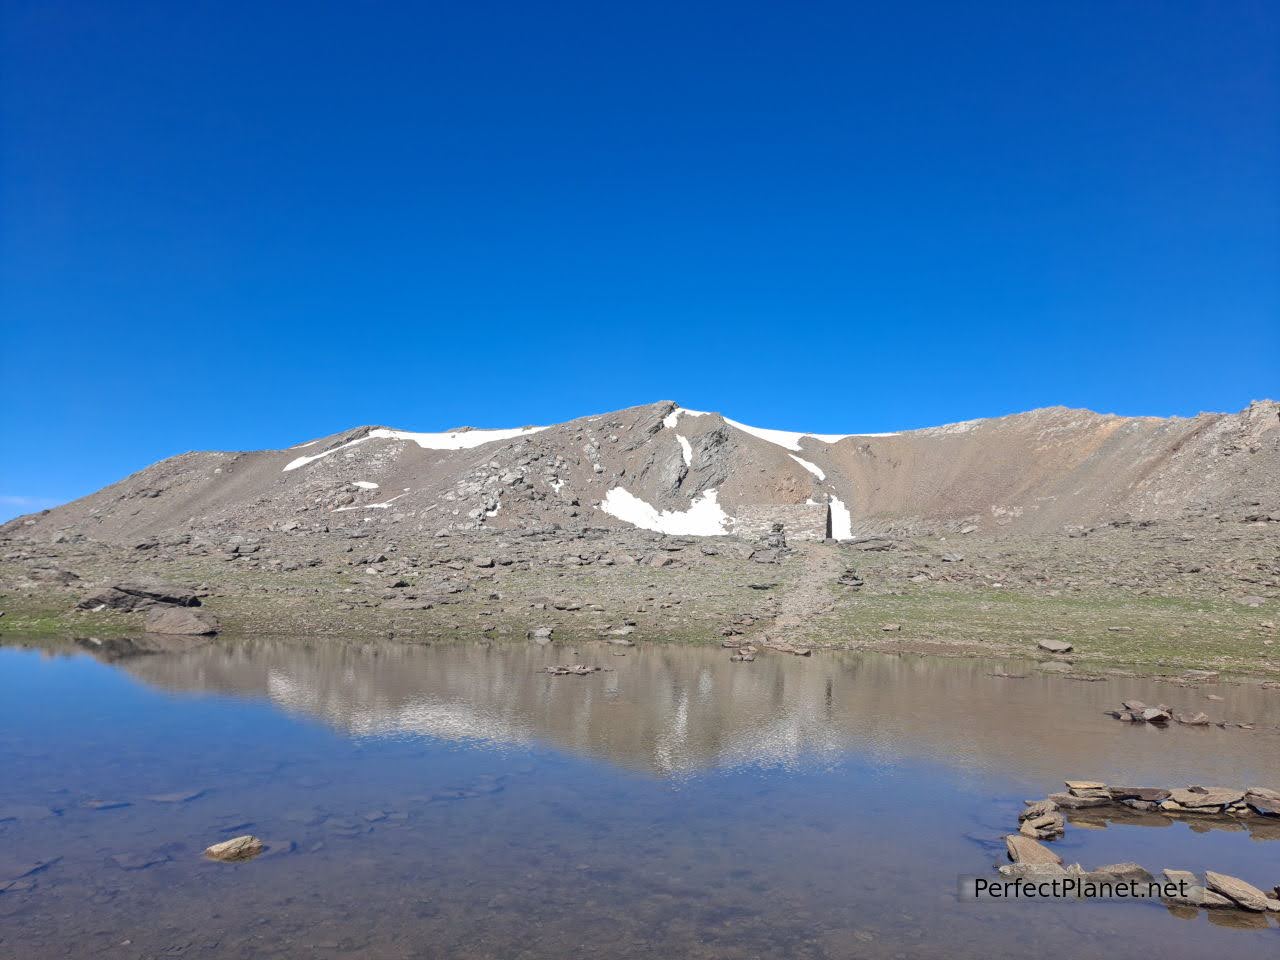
(1046, 470)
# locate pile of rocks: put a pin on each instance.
(1135, 711)
(576, 670)
(1194, 800)
(1043, 820)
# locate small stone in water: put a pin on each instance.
(238, 848)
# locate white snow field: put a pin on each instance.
(686, 451)
(811, 467)
(457, 440)
(704, 518)
(790, 439)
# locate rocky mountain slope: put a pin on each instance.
(661, 467)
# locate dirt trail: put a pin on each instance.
(810, 596)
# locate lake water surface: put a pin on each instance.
(453, 801)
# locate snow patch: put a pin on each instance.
(686, 451)
(811, 467)
(841, 520)
(364, 484)
(672, 418)
(790, 439)
(372, 506)
(456, 440)
(704, 518)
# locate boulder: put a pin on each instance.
(181, 621)
(239, 848)
(1026, 850)
(127, 597)
(1055, 646)
(1156, 715)
(1245, 894)
(1193, 719)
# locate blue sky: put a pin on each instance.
(231, 225)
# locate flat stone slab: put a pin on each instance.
(1268, 808)
(1055, 646)
(1072, 802)
(1245, 894)
(1146, 794)
(1193, 797)
(1025, 850)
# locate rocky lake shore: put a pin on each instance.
(1150, 597)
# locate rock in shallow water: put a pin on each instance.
(238, 848)
(1245, 894)
(1025, 850)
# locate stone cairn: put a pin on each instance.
(1043, 820)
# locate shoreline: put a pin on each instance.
(1143, 600)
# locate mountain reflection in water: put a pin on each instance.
(670, 709)
(457, 801)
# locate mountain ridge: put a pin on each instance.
(1040, 470)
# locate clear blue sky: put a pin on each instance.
(239, 225)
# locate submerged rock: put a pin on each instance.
(238, 848)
